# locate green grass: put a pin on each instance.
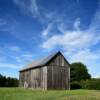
(28, 94)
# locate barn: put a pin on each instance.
(51, 72)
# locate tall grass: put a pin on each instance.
(28, 94)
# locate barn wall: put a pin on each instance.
(58, 73)
(39, 78)
(25, 78)
(34, 78)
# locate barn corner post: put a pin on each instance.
(19, 80)
(69, 79)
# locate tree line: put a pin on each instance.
(8, 81)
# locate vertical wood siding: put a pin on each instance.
(35, 78)
(58, 74)
(55, 75)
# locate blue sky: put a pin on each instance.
(31, 29)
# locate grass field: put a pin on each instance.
(27, 94)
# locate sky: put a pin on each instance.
(31, 29)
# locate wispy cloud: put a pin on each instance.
(85, 56)
(29, 7)
(25, 57)
(77, 43)
(29, 55)
(77, 24)
(59, 28)
(47, 30)
(14, 57)
(72, 39)
(8, 65)
(16, 61)
(32, 8)
(76, 38)
(13, 48)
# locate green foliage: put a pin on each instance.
(2, 81)
(79, 72)
(80, 78)
(8, 82)
(91, 84)
(75, 85)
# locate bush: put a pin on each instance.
(86, 84)
(91, 84)
(75, 85)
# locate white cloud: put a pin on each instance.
(72, 39)
(77, 24)
(77, 44)
(47, 30)
(88, 57)
(85, 56)
(76, 38)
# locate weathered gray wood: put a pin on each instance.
(54, 75)
(58, 74)
(35, 78)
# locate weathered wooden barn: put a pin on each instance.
(52, 72)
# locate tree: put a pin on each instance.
(8, 81)
(79, 72)
(2, 81)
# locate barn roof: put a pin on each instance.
(41, 62)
